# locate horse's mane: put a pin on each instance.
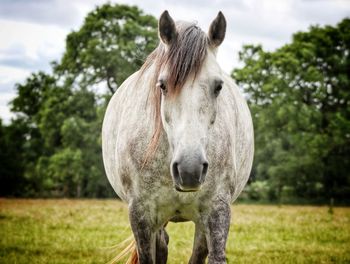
(183, 58)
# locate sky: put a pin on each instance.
(32, 32)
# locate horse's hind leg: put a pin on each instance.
(200, 248)
(162, 246)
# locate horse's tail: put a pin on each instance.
(134, 258)
(129, 250)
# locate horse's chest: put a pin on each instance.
(168, 204)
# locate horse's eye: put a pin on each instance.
(161, 85)
(218, 87)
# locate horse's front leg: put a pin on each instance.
(217, 228)
(162, 246)
(142, 225)
(200, 246)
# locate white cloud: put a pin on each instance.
(9, 76)
(321, 11)
(34, 40)
(5, 112)
(49, 12)
(24, 48)
(33, 31)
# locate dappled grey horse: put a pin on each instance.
(178, 142)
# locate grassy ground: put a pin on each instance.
(83, 231)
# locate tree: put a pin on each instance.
(30, 99)
(112, 44)
(12, 138)
(300, 99)
(53, 145)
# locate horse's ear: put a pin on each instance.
(166, 27)
(217, 30)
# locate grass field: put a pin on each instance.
(84, 231)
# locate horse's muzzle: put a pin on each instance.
(189, 176)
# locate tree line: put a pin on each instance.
(52, 148)
(298, 95)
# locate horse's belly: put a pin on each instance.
(114, 132)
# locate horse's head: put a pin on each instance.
(190, 81)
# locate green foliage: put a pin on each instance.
(257, 191)
(112, 43)
(300, 100)
(12, 139)
(32, 94)
(53, 146)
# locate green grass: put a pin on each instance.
(83, 231)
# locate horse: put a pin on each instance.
(177, 140)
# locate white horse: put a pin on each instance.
(178, 142)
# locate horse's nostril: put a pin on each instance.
(176, 171)
(188, 175)
(205, 169)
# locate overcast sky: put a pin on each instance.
(32, 32)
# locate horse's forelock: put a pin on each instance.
(185, 56)
(182, 58)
